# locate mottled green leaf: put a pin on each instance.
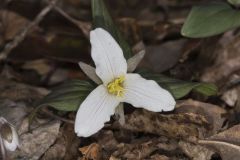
(209, 20)
(179, 88)
(68, 96)
(102, 19)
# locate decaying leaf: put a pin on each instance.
(230, 97)
(202, 120)
(57, 151)
(159, 157)
(227, 61)
(35, 144)
(12, 24)
(213, 113)
(172, 125)
(14, 112)
(142, 148)
(20, 92)
(226, 143)
(195, 151)
(93, 151)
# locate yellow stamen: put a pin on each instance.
(116, 86)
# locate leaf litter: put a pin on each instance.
(200, 128)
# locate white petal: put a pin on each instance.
(95, 110)
(12, 146)
(107, 56)
(147, 94)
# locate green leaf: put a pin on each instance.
(179, 88)
(209, 20)
(234, 2)
(102, 19)
(68, 96)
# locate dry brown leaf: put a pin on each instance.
(57, 151)
(230, 97)
(107, 140)
(93, 152)
(142, 148)
(20, 92)
(214, 114)
(35, 144)
(226, 150)
(226, 143)
(227, 61)
(195, 151)
(12, 24)
(182, 125)
(159, 157)
(14, 112)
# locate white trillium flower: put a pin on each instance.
(118, 86)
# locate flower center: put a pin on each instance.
(116, 86)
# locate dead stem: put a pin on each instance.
(21, 36)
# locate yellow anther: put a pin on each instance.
(116, 86)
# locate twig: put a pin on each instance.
(21, 36)
(84, 26)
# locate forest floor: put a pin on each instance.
(47, 53)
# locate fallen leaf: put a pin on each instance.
(162, 57)
(57, 151)
(226, 61)
(226, 143)
(20, 92)
(14, 112)
(230, 97)
(13, 23)
(159, 157)
(35, 144)
(142, 148)
(93, 151)
(195, 151)
(171, 125)
(214, 114)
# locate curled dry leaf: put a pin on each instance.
(144, 147)
(195, 151)
(192, 119)
(12, 24)
(182, 125)
(212, 113)
(35, 144)
(159, 157)
(107, 140)
(57, 151)
(227, 61)
(230, 97)
(13, 112)
(93, 151)
(226, 143)
(20, 92)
